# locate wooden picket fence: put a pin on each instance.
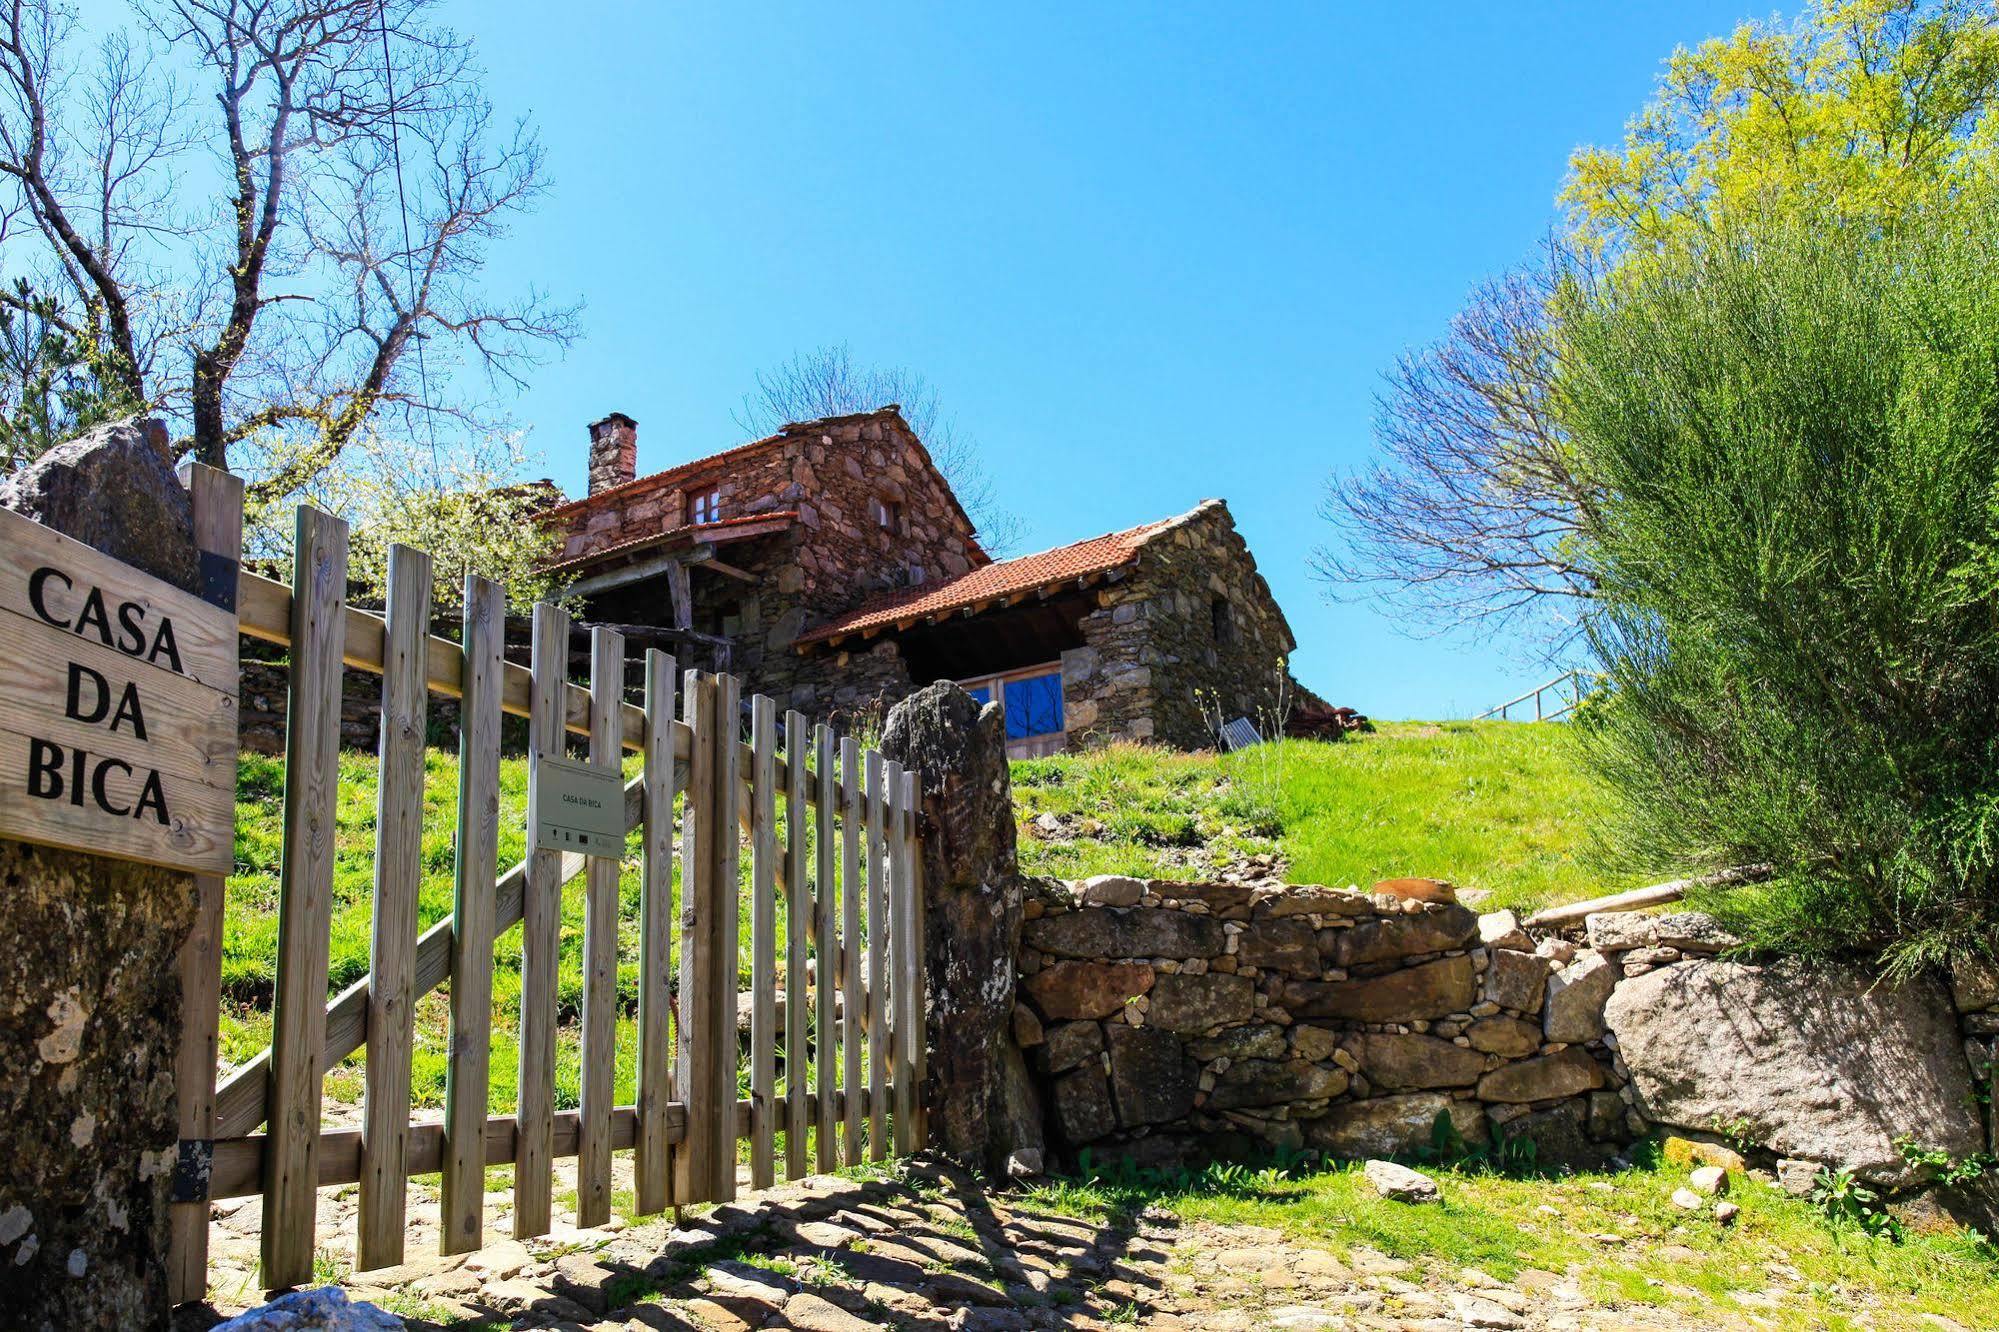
(847, 868)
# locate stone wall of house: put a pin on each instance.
(1168, 1020)
(832, 473)
(1190, 635)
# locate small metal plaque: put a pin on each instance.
(576, 807)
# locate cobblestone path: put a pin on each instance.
(935, 1250)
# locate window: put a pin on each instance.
(1033, 706)
(888, 514)
(705, 508)
(1032, 700)
(1224, 620)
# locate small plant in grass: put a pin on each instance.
(1937, 1166)
(1739, 1133)
(1501, 1154)
(1848, 1202)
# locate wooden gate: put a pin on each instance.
(846, 866)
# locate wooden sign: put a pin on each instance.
(117, 707)
(575, 807)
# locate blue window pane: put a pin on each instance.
(1033, 706)
(981, 695)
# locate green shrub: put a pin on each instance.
(1792, 432)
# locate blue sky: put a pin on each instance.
(1145, 255)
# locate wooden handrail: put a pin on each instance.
(1535, 694)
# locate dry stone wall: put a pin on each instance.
(1191, 632)
(1175, 1020)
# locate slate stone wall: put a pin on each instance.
(1170, 1021)
(1192, 634)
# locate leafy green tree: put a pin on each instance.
(465, 510)
(56, 380)
(1472, 512)
(1794, 426)
(1858, 108)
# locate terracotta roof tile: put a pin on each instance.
(1025, 573)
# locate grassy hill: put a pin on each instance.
(1488, 805)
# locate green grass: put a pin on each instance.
(1619, 1232)
(1488, 805)
(249, 947)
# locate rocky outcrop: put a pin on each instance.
(1824, 1063)
(984, 1110)
(89, 989)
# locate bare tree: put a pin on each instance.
(827, 382)
(1471, 514)
(259, 249)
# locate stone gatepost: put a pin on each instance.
(983, 1107)
(89, 987)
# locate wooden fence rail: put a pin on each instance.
(833, 910)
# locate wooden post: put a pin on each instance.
(475, 861)
(305, 897)
(600, 947)
(541, 941)
(652, 1158)
(920, 989)
(797, 935)
(908, 945)
(217, 500)
(677, 592)
(728, 850)
(398, 875)
(878, 1035)
(763, 939)
(851, 999)
(825, 1049)
(708, 1018)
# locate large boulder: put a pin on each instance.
(90, 1005)
(973, 902)
(324, 1310)
(114, 489)
(1823, 1063)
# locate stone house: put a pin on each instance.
(832, 566)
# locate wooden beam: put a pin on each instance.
(639, 571)
(729, 570)
(1637, 899)
(239, 1171)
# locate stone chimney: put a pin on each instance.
(614, 451)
